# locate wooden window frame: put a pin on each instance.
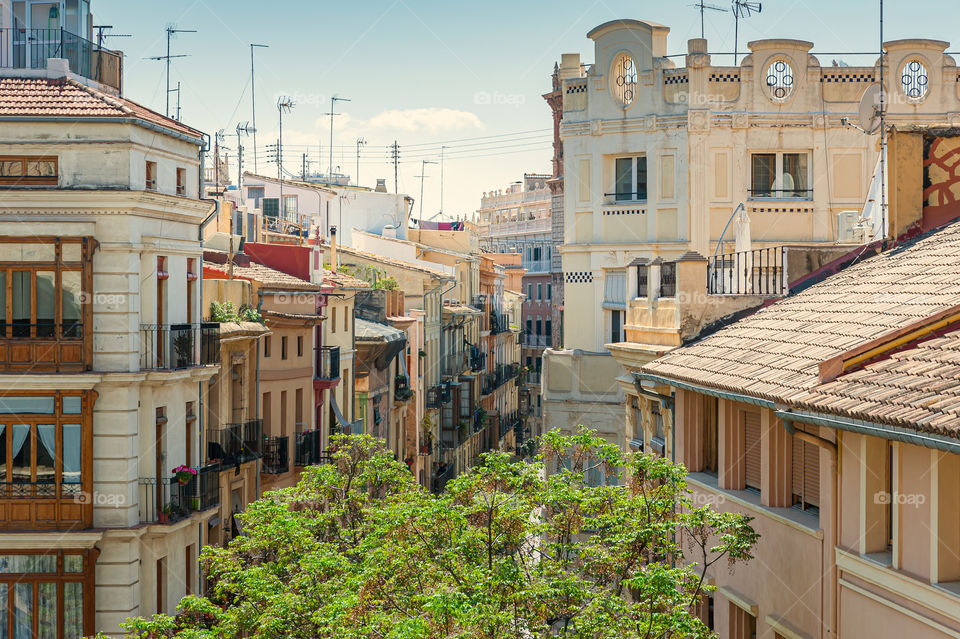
(87, 578)
(150, 176)
(31, 180)
(181, 181)
(63, 510)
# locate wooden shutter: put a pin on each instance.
(710, 406)
(751, 457)
(806, 470)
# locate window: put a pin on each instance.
(255, 193)
(181, 181)
(780, 175)
(530, 292)
(189, 566)
(780, 80)
(751, 457)
(548, 329)
(913, 80)
(616, 327)
(806, 471)
(290, 207)
(37, 586)
(271, 207)
(151, 176)
(668, 279)
(41, 280)
(539, 292)
(709, 441)
(623, 80)
(549, 292)
(529, 326)
(162, 585)
(191, 285)
(643, 287)
(539, 327)
(630, 179)
(266, 346)
(299, 345)
(283, 347)
(743, 625)
(16, 170)
(333, 320)
(536, 253)
(346, 321)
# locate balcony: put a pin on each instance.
(757, 272)
(165, 501)
(276, 455)
(401, 389)
(45, 347)
(437, 396)
(454, 364)
(207, 486)
(478, 359)
(235, 443)
(510, 421)
(326, 372)
(538, 341)
(30, 49)
(307, 450)
(178, 346)
(499, 323)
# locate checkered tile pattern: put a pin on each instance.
(624, 211)
(676, 78)
(577, 88)
(724, 77)
(781, 210)
(578, 277)
(846, 77)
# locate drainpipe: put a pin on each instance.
(256, 400)
(333, 249)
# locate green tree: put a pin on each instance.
(508, 550)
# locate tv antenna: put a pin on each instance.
(741, 9)
(243, 128)
(703, 7)
(101, 36)
(172, 30)
(423, 175)
(360, 142)
(333, 102)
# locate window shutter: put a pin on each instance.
(751, 457)
(806, 470)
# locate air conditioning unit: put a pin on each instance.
(847, 227)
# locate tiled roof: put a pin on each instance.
(916, 388)
(266, 276)
(343, 280)
(64, 97)
(388, 261)
(775, 353)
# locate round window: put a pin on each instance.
(913, 80)
(780, 79)
(623, 80)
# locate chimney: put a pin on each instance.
(381, 185)
(333, 249)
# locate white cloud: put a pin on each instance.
(428, 120)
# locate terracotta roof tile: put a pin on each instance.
(64, 97)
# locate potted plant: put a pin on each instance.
(184, 474)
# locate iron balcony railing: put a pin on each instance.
(533, 377)
(176, 346)
(401, 388)
(538, 341)
(785, 194)
(499, 323)
(236, 443)
(756, 272)
(327, 362)
(276, 455)
(207, 486)
(164, 500)
(308, 450)
(510, 421)
(454, 364)
(437, 396)
(478, 359)
(31, 48)
(41, 489)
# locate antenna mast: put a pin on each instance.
(171, 31)
(703, 6)
(883, 136)
(741, 9)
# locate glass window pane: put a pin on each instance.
(763, 174)
(38, 253)
(47, 610)
(46, 457)
(72, 453)
(71, 405)
(71, 299)
(28, 564)
(46, 303)
(73, 563)
(642, 178)
(624, 184)
(72, 610)
(3, 456)
(4, 611)
(23, 611)
(21, 303)
(3, 303)
(795, 174)
(40, 405)
(71, 252)
(21, 454)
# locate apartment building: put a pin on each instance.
(103, 351)
(830, 417)
(750, 171)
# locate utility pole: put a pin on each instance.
(395, 156)
(333, 100)
(253, 103)
(356, 178)
(284, 104)
(178, 101)
(441, 177)
(303, 167)
(171, 30)
(423, 176)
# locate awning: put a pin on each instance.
(378, 342)
(344, 424)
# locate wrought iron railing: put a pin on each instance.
(276, 455)
(756, 272)
(40, 489)
(164, 500)
(401, 388)
(327, 362)
(510, 421)
(454, 364)
(478, 359)
(437, 396)
(207, 486)
(30, 49)
(538, 341)
(176, 346)
(235, 443)
(499, 323)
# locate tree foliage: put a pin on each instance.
(356, 549)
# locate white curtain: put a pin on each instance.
(71, 454)
(48, 439)
(20, 433)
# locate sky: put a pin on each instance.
(427, 74)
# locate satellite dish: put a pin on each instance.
(869, 111)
